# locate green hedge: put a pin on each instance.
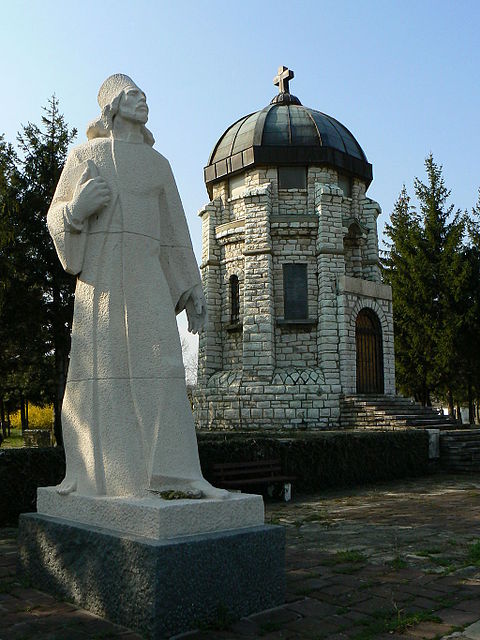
(323, 460)
(319, 461)
(21, 472)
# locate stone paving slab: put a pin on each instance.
(399, 561)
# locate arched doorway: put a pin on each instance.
(368, 337)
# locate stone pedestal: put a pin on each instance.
(157, 587)
(152, 517)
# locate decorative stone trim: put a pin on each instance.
(257, 252)
(369, 303)
(225, 379)
(223, 229)
(347, 223)
(329, 251)
(365, 288)
(293, 217)
(298, 376)
(233, 237)
(210, 263)
(298, 322)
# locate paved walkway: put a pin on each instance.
(396, 561)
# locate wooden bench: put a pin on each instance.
(242, 475)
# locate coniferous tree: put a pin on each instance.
(444, 280)
(401, 272)
(470, 337)
(39, 294)
(427, 268)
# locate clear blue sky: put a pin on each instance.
(403, 76)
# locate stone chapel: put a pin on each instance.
(298, 316)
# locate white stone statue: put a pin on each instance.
(118, 224)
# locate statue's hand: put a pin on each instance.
(196, 308)
(90, 195)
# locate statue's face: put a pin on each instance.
(133, 105)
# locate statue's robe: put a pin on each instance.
(126, 416)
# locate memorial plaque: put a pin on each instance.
(295, 291)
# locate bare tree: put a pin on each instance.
(190, 360)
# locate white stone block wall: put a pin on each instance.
(330, 265)
(210, 343)
(258, 311)
(371, 263)
(256, 404)
(351, 300)
(292, 201)
(262, 374)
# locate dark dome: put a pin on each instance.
(286, 133)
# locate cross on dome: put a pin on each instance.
(283, 77)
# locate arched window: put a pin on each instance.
(234, 299)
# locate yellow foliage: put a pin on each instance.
(38, 418)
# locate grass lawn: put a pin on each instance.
(14, 441)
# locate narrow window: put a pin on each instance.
(345, 184)
(295, 298)
(234, 299)
(292, 177)
(236, 185)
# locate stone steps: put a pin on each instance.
(460, 450)
(390, 412)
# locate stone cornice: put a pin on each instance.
(257, 252)
(330, 252)
(212, 262)
(364, 288)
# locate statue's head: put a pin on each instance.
(119, 95)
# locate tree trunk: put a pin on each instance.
(459, 414)
(61, 350)
(26, 413)
(61, 373)
(22, 413)
(2, 418)
(424, 395)
(451, 408)
(471, 405)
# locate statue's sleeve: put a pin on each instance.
(176, 256)
(69, 235)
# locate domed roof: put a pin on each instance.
(286, 133)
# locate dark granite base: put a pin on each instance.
(159, 588)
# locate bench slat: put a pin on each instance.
(251, 471)
(241, 465)
(253, 481)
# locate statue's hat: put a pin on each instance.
(111, 88)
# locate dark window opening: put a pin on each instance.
(234, 299)
(345, 184)
(295, 292)
(292, 177)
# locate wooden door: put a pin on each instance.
(368, 337)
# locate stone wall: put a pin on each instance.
(355, 295)
(263, 371)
